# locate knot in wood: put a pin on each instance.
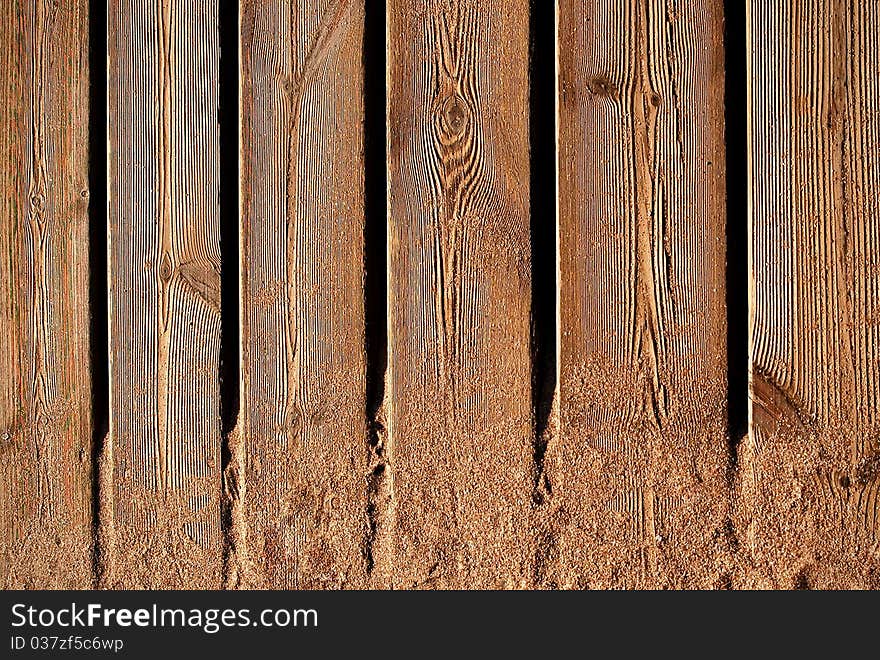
(454, 115)
(602, 86)
(38, 201)
(166, 268)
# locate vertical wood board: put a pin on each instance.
(811, 467)
(160, 500)
(301, 445)
(638, 469)
(45, 392)
(459, 287)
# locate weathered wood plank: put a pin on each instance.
(811, 466)
(161, 483)
(637, 470)
(301, 443)
(45, 407)
(459, 418)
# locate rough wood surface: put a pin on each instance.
(420, 464)
(811, 464)
(300, 466)
(160, 479)
(458, 389)
(45, 408)
(636, 473)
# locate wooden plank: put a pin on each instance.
(460, 421)
(812, 463)
(637, 471)
(301, 445)
(45, 405)
(161, 483)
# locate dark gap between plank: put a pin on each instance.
(230, 329)
(542, 140)
(98, 285)
(735, 98)
(375, 255)
(227, 117)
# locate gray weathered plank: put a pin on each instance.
(300, 448)
(160, 480)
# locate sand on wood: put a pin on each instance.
(636, 474)
(300, 452)
(459, 287)
(160, 472)
(810, 468)
(45, 390)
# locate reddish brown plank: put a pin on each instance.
(459, 421)
(811, 463)
(45, 407)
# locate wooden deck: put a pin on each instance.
(470, 317)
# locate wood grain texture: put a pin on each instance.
(636, 472)
(160, 480)
(300, 468)
(458, 389)
(812, 461)
(45, 407)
